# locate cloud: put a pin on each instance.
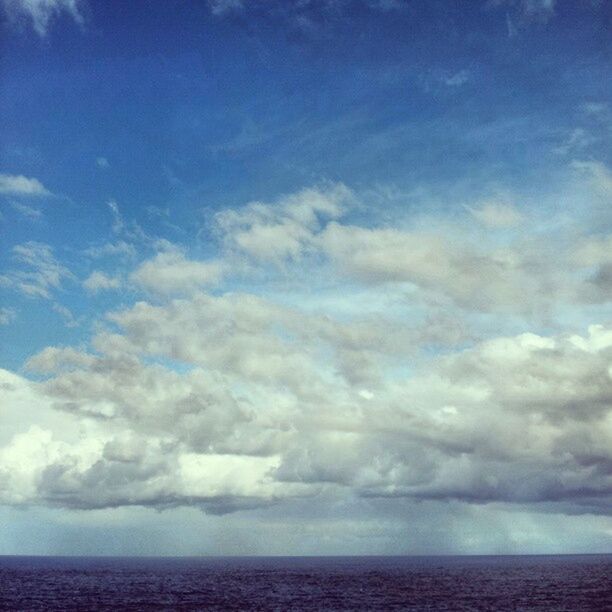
(443, 265)
(231, 400)
(7, 316)
(223, 7)
(170, 272)
(595, 255)
(511, 28)
(42, 13)
(66, 314)
(282, 230)
(576, 141)
(39, 274)
(598, 110)
(517, 420)
(458, 79)
(112, 249)
(496, 215)
(19, 185)
(527, 10)
(299, 11)
(449, 263)
(99, 281)
(118, 223)
(27, 211)
(597, 172)
(543, 9)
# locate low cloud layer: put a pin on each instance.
(233, 398)
(263, 409)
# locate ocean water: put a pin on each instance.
(573, 583)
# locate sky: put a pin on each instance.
(305, 277)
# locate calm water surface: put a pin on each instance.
(573, 583)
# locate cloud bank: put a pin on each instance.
(209, 392)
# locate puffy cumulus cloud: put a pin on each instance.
(41, 13)
(170, 272)
(232, 401)
(99, 281)
(39, 272)
(524, 419)
(48, 456)
(266, 343)
(558, 378)
(455, 264)
(594, 255)
(284, 230)
(19, 185)
(444, 265)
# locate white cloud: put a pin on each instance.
(27, 211)
(449, 263)
(7, 316)
(541, 8)
(112, 249)
(99, 281)
(41, 13)
(39, 273)
(599, 110)
(575, 142)
(444, 265)
(597, 172)
(118, 224)
(522, 419)
(171, 272)
(222, 7)
(66, 314)
(496, 214)
(19, 185)
(458, 79)
(284, 230)
(234, 400)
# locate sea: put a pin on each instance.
(560, 582)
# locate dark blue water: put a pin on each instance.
(573, 583)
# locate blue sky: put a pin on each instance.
(334, 253)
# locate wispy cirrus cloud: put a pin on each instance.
(38, 273)
(40, 14)
(7, 316)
